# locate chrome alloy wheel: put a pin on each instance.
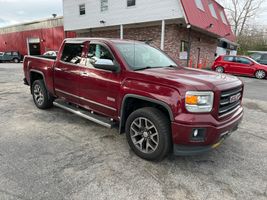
(219, 69)
(38, 94)
(144, 135)
(260, 74)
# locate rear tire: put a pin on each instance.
(219, 69)
(260, 74)
(41, 97)
(148, 133)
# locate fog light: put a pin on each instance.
(198, 135)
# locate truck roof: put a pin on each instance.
(108, 40)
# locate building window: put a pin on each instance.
(212, 11)
(199, 4)
(184, 46)
(82, 9)
(223, 17)
(130, 3)
(103, 5)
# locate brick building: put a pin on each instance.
(35, 37)
(188, 30)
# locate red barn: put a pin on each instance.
(35, 37)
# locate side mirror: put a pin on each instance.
(106, 64)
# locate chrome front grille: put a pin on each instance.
(230, 101)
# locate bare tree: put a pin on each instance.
(240, 12)
(254, 38)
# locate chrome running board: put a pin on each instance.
(106, 122)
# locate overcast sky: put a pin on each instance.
(18, 11)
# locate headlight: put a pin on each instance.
(198, 102)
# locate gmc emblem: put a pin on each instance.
(235, 98)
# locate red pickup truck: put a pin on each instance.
(161, 106)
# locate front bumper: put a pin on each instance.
(215, 133)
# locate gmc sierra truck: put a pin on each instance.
(161, 106)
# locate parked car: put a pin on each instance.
(51, 53)
(11, 56)
(239, 65)
(138, 88)
(260, 58)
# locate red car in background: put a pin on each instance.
(240, 65)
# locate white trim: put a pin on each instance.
(28, 46)
(162, 35)
(52, 60)
(183, 11)
(121, 31)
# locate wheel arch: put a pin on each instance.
(145, 102)
(36, 75)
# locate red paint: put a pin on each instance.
(51, 39)
(235, 67)
(166, 85)
(202, 19)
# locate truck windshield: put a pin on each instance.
(142, 56)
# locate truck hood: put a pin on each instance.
(199, 79)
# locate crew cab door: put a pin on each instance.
(67, 72)
(99, 88)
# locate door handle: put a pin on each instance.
(60, 69)
(57, 69)
(85, 74)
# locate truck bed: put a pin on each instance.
(46, 57)
(40, 64)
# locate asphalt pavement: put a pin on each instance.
(56, 155)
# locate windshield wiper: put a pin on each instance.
(147, 67)
(172, 66)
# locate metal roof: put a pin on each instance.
(203, 18)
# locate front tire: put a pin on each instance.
(148, 133)
(260, 74)
(219, 69)
(41, 97)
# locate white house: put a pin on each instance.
(188, 30)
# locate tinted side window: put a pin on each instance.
(97, 51)
(228, 58)
(8, 53)
(15, 54)
(72, 53)
(243, 60)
